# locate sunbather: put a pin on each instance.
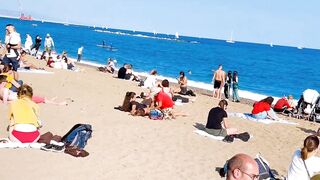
(131, 105)
(305, 163)
(283, 105)
(12, 84)
(24, 121)
(217, 124)
(263, 110)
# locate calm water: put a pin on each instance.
(262, 69)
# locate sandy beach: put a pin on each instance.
(127, 147)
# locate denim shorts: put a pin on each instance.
(13, 61)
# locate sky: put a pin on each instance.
(283, 22)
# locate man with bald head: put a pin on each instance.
(242, 167)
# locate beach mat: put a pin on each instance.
(6, 143)
(35, 71)
(249, 117)
(205, 134)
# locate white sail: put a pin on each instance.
(231, 39)
(177, 35)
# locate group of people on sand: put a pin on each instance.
(224, 82)
(24, 121)
(304, 164)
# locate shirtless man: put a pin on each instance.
(218, 81)
(242, 167)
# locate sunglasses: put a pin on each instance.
(252, 176)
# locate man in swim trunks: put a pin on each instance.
(218, 81)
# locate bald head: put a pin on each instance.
(242, 167)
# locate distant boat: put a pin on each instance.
(271, 44)
(300, 47)
(231, 39)
(177, 35)
(154, 32)
(25, 18)
(34, 25)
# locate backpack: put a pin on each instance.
(156, 114)
(264, 168)
(78, 135)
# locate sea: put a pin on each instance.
(263, 70)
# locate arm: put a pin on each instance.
(5, 97)
(225, 124)
(15, 83)
(159, 105)
(133, 109)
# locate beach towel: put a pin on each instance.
(6, 143)
(249, 117)
(205, 134)
(36, 71)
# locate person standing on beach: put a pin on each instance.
(242, 167)
(28, 43)
(48, 44)
(80, 49)
(218, 82)
(235, 87)
(37, 45)
(13, 45)
(227, 85)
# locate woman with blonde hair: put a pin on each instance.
(305, 163)
(23, 115)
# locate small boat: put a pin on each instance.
(300, 47)
(231, 39)
(34, 25)
(271, 44)
(25, 18)
(177, 35)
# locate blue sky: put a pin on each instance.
(285, 22)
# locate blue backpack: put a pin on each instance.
(78, 135)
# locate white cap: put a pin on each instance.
(115, 61)
(48, 35)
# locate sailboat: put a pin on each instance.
(271, 44)
(177, 35)
(154, 32)
(231, 39)
(300, 47)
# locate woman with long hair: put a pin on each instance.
(305, 163)
(235, 87)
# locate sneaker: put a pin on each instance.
(47, 147)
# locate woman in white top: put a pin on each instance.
(304, 162)
(151, 81)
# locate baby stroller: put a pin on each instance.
(307, 103)
(315, 113)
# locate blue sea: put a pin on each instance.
(263, 70)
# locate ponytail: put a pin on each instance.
(310, 144)
(25, 91)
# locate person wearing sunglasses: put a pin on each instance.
(242, 167)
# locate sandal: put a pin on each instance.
(76, 152)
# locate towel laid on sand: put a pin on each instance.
(248, 116)
(36, 71)
(205, 134)
(6, 143)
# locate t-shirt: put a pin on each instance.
(122, 73)
(48, 42)
(150, 82)
(24, 111)
(259, 107)
(297, 170)
(80, 50)
(13, 39)
(165, 99)
(9, 79)
(215, 118)
(281, 103)
(138, 105)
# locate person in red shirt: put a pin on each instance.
(263, 110)
(282, 105)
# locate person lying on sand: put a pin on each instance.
(12, 84)
(263, 110)
(217, 125)
(8, 95)
(24, 63)
(135, 108)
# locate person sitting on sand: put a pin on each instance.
(217, 124)
(305, 163)
(131, 105)
(263, 110)
(24, 117)
(122, 72)
(242, 167)
(151, 80)
(12, 84)
(182, 81)
(111, 66)
(129, 74)
(218, 81)
(8, 95)
(283, 105)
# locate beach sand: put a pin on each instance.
(127, 147)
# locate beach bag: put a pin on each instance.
(78, 136)
(156, 114)
(264, 168)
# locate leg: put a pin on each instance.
(231, 131)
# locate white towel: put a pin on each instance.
(205, 134)
(265, 121)
(14, 145)
(36, 71)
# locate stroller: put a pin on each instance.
(315, 113)
(307, 103)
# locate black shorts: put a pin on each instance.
(217, 84)
(13, 61)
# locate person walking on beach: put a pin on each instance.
(218, 82)
(242, 167)
(37, 45)
(28, 43)
(80, 49)
(48, 44)
(235, 87)
(227, 85)
(13, 45)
